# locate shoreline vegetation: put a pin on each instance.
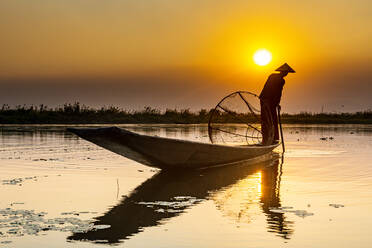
(80, 114)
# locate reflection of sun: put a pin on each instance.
(262, 57)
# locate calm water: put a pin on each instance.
(58, 190)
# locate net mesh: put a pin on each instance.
(236, 119)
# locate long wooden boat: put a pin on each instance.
(166, 153)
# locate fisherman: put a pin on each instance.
(270, 102)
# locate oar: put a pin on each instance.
(281, 129)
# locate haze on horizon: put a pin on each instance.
(185, 53)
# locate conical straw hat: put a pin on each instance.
(286, 68)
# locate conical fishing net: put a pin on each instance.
(237, 120)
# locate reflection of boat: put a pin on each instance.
(168, 153)
(169, 194)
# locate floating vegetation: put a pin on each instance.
(178, 204)
(299, 213)
(16, 203)
(77, 213)
(18, 222)
(18, 181)
(5, 242)
(336, 205)
(14, 181)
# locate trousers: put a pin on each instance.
(269, 123)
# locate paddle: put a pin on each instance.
(281, 129)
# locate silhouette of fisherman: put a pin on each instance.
(270, 100)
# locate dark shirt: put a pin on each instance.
(272, 91)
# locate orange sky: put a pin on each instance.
(184, 53)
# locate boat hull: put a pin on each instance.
(165, 153)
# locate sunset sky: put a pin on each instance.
(184, 53)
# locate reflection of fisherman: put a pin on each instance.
(270, 99)
(270, 198)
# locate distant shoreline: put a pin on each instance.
(77, 114)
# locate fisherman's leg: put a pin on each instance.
(275, 122)
(265, 125)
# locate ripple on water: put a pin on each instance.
(308, 153)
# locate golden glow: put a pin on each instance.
(240, 201)
(262, 57)
(120, 38)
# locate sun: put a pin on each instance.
(262, 57)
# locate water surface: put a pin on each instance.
(58, 190)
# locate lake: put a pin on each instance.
(58, 190)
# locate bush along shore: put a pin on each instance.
(80, 114)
